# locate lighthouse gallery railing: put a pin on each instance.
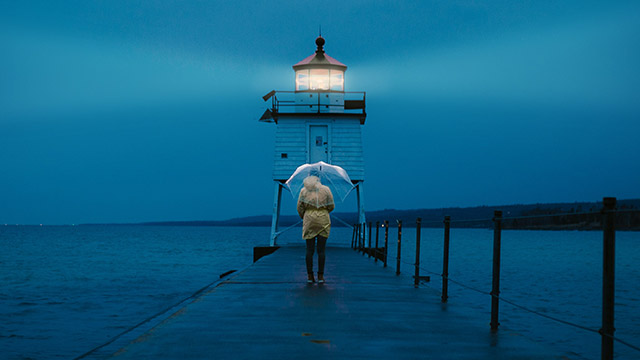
(324, 101)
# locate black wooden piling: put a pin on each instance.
(445, 260)
(353, 236)
(416, 278)
(386, 241)
(364, 238)
(369, 251)
(399, 247)
(608, 276)
(495, 288)
(377, 226)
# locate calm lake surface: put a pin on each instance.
(67, 289)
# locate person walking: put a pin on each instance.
(315, 202)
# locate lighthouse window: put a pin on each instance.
(337, 80)
(302, 80)
(319, 79)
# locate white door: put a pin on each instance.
(318, 143)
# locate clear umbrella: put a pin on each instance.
(313, 176)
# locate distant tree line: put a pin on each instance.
(560, 216)
(565, 216)
(576, 218)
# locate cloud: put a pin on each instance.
(591, 62)
(48, 73)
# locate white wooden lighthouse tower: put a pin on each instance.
(319, 121)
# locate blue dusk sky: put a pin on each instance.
(130, 111)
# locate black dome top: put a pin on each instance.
(320, 60)
(320, 43)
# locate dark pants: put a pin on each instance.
(311, 244)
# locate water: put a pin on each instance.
(66, 290)
(557, 273)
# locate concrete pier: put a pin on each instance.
(364, 311)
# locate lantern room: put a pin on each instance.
(319, 72)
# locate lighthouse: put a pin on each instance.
(318, 121)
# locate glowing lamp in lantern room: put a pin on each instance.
(319, 71)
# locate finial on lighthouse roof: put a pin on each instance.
(319, 59)
(320, 43)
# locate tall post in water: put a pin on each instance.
(353, 236)
(399, 247)
(416, 280)
(608, 276)
(495, 288)
(364, 238)
(386, 241)
(377, 226)
(445, 260)
(369, 251)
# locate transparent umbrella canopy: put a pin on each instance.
(332, 176)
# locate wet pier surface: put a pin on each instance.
(364, 311)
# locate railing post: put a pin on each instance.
(416, 280)
(369, 251)
(364, 238)
(363, 233)
(399, 247)
(376, 256)
(386, 241)
(445, 260)
(353, 236)
(608, 276)
(495, 288)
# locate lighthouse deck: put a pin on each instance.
(364, 311)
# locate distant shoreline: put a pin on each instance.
(548, 216)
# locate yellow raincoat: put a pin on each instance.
(314, 204)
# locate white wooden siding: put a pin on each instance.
(291, 139)
(345, 145)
